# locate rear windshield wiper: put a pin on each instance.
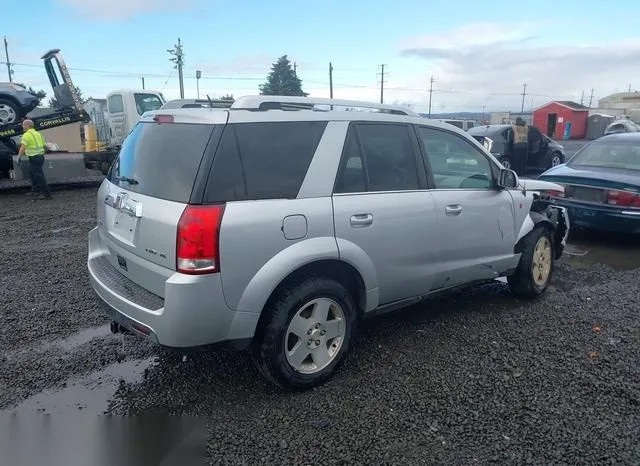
(125, 179)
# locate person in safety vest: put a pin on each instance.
(520, 146)
(33, 147)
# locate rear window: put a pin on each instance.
(263, 160)
(147, 103)
(609, 154)
(161, 160)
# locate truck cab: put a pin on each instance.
(125, 107)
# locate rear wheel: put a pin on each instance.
(535, 269)
(306, 335)
(9, 112)
(554, 159)
(506, 163)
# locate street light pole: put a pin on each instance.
(198, 76)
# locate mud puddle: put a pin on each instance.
(91, 393)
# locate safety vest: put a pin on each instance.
(520, 134)
(33, 143)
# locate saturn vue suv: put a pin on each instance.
(277, 224)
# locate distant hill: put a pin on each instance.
(457, 116)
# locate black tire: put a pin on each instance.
(553, 156)
(15, 107)
(522, 282)
(506, 162)
(268, 348)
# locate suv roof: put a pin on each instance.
(288, 108)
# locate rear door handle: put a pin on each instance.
(453, 210)
(361, 220)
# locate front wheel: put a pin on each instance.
(537, 262)
(306, 334)
(10, 112)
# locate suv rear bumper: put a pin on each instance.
(193, 312)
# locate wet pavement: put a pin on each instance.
(448, 358)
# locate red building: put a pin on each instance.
(556, 117)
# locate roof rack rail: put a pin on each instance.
(278, 102)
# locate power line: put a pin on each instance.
(382, 74)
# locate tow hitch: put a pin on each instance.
(116, 328)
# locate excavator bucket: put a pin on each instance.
(63, 88)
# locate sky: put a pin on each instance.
(479, 54)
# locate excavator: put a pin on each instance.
(60, 167)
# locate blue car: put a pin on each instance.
(601, 184)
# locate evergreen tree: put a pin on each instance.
(39, 94)
(282, 80)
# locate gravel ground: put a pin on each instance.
(472, 378)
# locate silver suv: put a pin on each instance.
(277, 227)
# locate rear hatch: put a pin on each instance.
(146, 191)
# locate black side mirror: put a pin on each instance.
(508, 179)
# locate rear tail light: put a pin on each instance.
(555, 193)
(623, 198)
(198, 240)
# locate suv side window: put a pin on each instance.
(378, 157)
(265, 160)
(455, 163)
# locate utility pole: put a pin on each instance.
(591, 98)
(524, 93)
(178, 59)
(198, 76)
(330, 80)
(582, 99)
(6, 54)
(382, 73)
(483, 108)
(295, 69)
(142, 77)
(430, 94)
(629, 84)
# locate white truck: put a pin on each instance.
(124, 109)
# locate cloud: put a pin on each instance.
(487, 64)
(106, 10)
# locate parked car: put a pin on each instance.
(544, 152)
(15, 102)
(464, 125)
(278, 230)
(602, 184)
(621, 126)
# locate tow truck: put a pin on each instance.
(60, 167)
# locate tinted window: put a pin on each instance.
(389, 157)
(161, 160)
(115, 104)
(455, 163)
(351, 175)
(609, 154)
(263, 160)
(147, 103)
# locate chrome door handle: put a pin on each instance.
(361, 220)
(453, 210)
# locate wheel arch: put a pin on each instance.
(534, 219)
(336, 269)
